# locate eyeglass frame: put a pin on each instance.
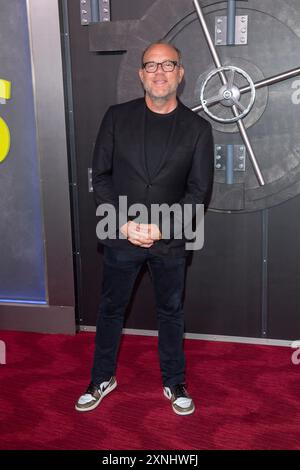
(174, 62)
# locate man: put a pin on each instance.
(152, 150)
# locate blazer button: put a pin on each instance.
(149, 185)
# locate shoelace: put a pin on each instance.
(91, 389)
(179, 391)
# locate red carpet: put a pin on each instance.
(247, 397)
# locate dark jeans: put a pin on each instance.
(119, 274)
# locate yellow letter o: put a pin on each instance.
(4, 140)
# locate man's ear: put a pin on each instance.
(141, 74)
(181, 72)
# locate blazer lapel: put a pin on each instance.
(138, 129)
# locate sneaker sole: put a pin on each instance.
(97, 403)
(178, 412)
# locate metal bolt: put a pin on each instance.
(243, 19)
(243, 39)
(219, 148)
(219, 165)
(218, 157)
(241, 166)
(219, 31)
(219, 41)
(219, 20)
(243, 30)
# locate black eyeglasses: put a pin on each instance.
(166, 65)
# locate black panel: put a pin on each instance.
(284, 271)
(129, 9)
(223, 293)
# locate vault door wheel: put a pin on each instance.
(229, 94)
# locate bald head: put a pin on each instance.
(167, 45)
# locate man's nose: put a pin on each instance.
(160, 68)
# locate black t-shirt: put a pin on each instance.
(157, 133)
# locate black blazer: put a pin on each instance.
(119, 165)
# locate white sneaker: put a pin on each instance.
(182, 403)
(93, 396)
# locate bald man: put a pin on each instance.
(151, 151)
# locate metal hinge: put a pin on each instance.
(90, 183)
(230, 158)
(94, 11)
(241, 30)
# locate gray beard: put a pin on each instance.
(159, 98)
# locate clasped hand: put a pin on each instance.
(143, 235)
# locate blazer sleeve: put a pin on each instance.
(199, 181)
(102, 162)
(102, 167)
